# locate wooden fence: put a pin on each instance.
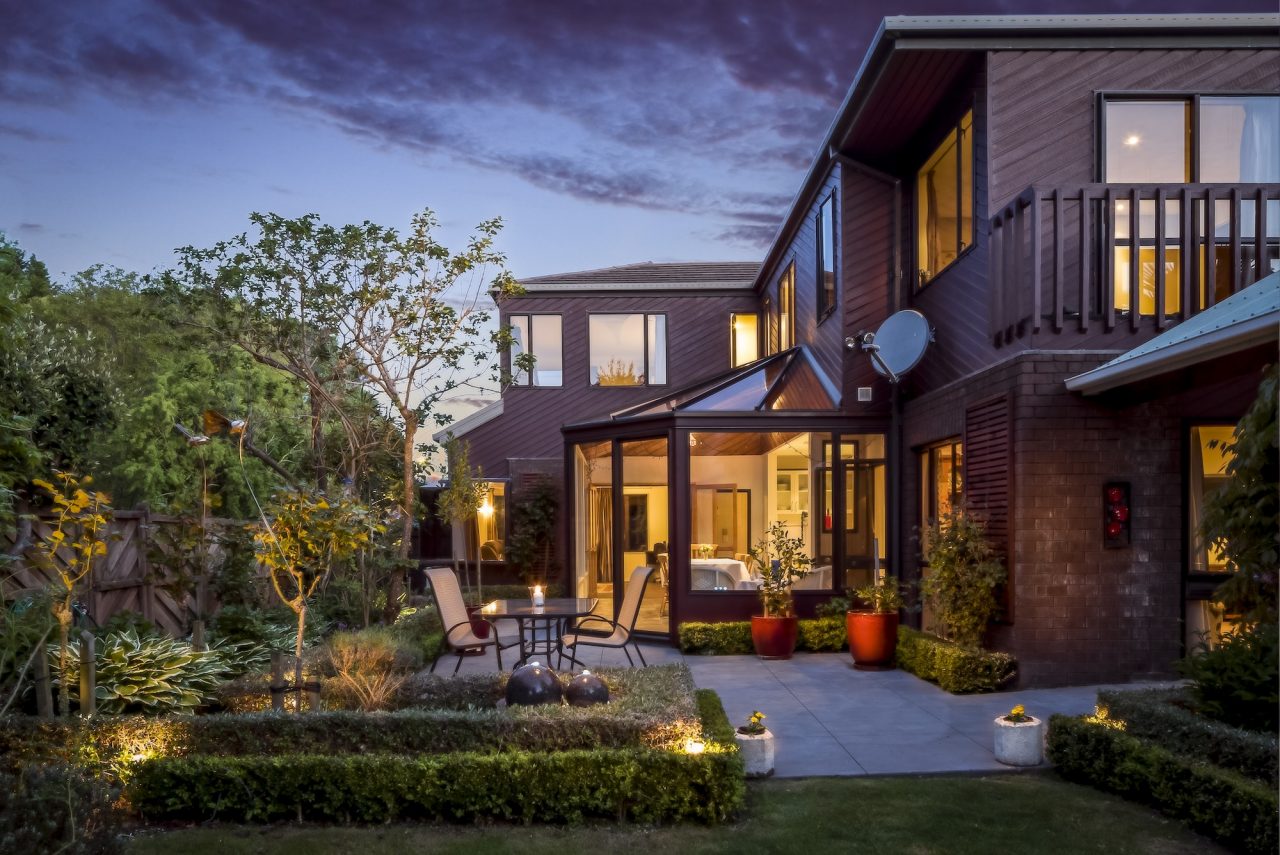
(135, 575)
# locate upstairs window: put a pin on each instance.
(944, 202)
(744, 338)
(787, 308)
(771, 329)
(827, 258)
(540, 335)
(628, 350)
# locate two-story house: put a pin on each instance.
(1080, 207)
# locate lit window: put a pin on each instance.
(944, 202)
(941, 481)
(744, 338)
(827, 257)
(628, 350)
(787, 308)
(541, 336)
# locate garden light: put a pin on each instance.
(694, 746)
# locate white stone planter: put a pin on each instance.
(757, 753)
(1019, 743)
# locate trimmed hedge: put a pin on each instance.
(733, 638)
(1160, 717)
(642, 784)
(957, 669)
(1228, 806)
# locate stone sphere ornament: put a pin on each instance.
(586, 689)
(533, 684)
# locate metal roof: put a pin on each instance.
(1243, 320)
(651, 276)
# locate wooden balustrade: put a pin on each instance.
(1126, 257)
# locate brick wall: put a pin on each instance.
(1082, 613)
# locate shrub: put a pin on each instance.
(733, 638)
(370, 666)
(154, 675)
(421, 631)
(1161, 717)
(1231, 808)
(57, 809)
(1237, 681)
(957, 669)
(964, 574)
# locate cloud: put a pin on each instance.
(29, 134)
(31, 228)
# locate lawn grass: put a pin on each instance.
(1035, 812)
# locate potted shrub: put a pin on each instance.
(782, 563)
(873, 632)
(755, 744)
(1019, 738)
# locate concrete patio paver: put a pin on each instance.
(829, 719)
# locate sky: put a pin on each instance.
(602, 133)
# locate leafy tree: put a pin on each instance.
(964, 574)
(1242, 518)
(69, 551)
(459, 502)
(299, 542)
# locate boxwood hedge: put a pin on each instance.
(957, 669)
(1234, 809)
(733, 638)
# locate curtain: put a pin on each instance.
(1195, 505)
(1260, 140)
(602, 532)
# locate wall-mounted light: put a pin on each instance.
(1117, 514)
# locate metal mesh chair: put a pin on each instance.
(620, 631)
(458, 633)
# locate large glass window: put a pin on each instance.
(744, 338)
(491, 521)
(593, 523)
(540, 335)
(826, 284)
(787, 308)
(1177, 140)
(944, 202)
(941, 481)
(628, 350)
(644, 526)
(1206, 473)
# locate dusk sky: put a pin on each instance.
(603, 133)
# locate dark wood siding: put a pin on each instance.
(867, 276)
(1044, 103)
(697, 347)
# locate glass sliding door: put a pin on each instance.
(593, 524)
(645, 506)
(864, 529)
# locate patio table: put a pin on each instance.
(554, 614)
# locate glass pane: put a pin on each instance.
(593, 524)
(491, 522)
(966, 181)
(827, 273)
(548, 348)
(744, 335)
(1240, 139)
(786, 308)
(1148, 142)
(617, 350)
(741, 484)
(644, 526)
(1147, 256)
(1208, 472)
(519, 343)
(657, 326)
(944, 202)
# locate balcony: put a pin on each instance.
(1107, 264)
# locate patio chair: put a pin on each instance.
(621, 632)
(458, 634)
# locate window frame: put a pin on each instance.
(530, 384)
(823, 226)
(972, 113)
(787, 287)
(644, 335)
(733, 338)
(928, 507)
(1193, 96)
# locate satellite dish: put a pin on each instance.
(899, 344)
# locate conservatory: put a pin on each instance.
(686, 484)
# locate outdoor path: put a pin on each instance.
(830, 719)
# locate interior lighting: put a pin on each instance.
(1132, 140)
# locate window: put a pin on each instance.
(744, 338)
(491, 522)
(1207, 563)
(826, 258)
(1175, 140)
(771, 329)
(541, 336)
(628, 350)
(944, 202)
(941, 481)
(787, 308)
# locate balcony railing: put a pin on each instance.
(1126, 257)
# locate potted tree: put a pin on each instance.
(782, 563)
(873, 632)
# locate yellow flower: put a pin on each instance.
(1019, 710)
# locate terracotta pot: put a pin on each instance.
(873, 638)
(479, 625)
(774, 637)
